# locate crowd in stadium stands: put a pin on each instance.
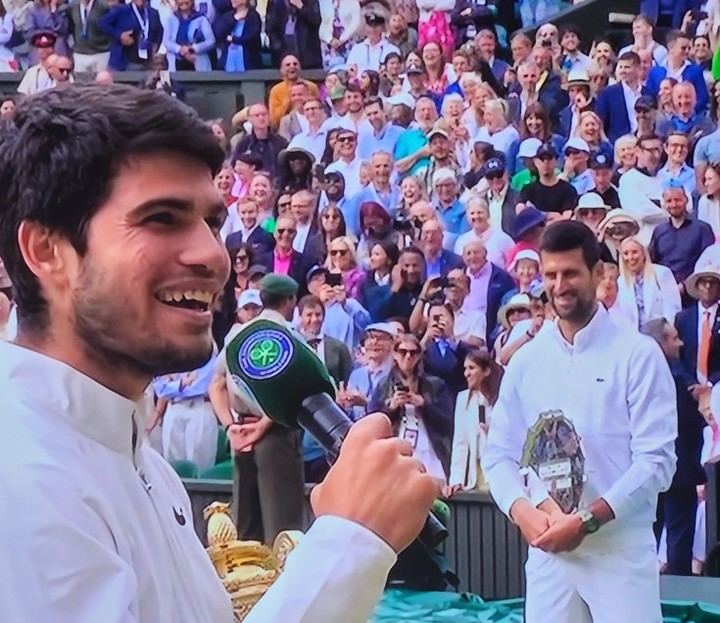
(406, 194)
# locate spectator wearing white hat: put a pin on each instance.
(581, 99)
(516, 308)
(377, 357)
(525, 270)
(526, 155)
(450, 211)
(576, 170)
(249, 305)
(496, 241)
(591, 210)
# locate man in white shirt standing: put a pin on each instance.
(348, 164)
(116, 267)
(606, 406)
(313, 139)
(370, 53)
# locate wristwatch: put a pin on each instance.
(589, 521)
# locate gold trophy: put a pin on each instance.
(247, 569)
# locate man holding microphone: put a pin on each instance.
(116, 262)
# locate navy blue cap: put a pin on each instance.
(546, 150)
(601, 161)
(494, 165)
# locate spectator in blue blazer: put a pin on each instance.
(616, 103)
(679, 67)
(136, 34)
(238, 35)
(188, 39)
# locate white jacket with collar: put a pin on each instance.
(661, 297)
(616, 387)
(468, 438)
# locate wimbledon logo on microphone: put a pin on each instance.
(265, 354)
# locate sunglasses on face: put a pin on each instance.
(64, 70)
(346, 139)
(572, 152)
(404, 352)
(289, 232)
(284, 204)
(338, 252)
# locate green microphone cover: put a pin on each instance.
(274, 370)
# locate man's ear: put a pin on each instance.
(47, 254)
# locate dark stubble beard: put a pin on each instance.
(581, 313)
(113, 336)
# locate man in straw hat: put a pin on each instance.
(699, 329)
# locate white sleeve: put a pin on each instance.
(638, 204)
(671, 302)
(337, 573)
(58, 558)
(652, 405)
(460, 444)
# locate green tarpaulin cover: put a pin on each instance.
(402, 606)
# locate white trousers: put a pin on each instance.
(599, 588)
(190, 433)
(91, 63)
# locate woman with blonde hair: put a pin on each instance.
(646, 291)
(473, 117)
(625, 153)
(473, 413)
(342, 259)
(497, 129)
(590, 129)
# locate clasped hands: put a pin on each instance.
(547, 527)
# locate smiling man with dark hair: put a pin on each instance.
(110, 230)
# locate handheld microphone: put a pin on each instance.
(272, 372)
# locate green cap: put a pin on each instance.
(279, 285)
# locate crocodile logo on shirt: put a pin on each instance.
(179, 516)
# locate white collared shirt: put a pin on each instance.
(365, 56)
(702, 310)
(630, 98)
(110, 522)
(301, 236)
(313, 142)
(350, 172)
(495, 203)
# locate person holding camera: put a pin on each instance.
(443, 354)
(406, 282)
(418, 405)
